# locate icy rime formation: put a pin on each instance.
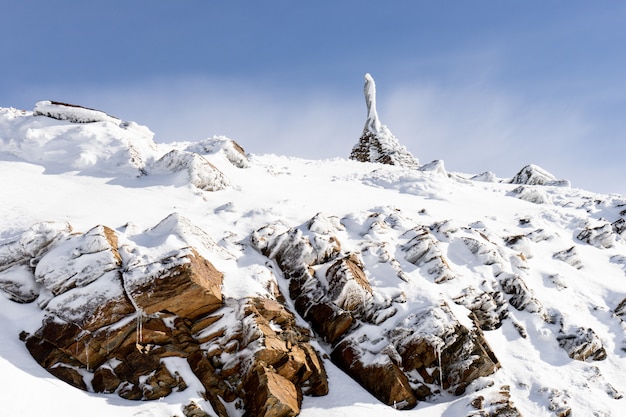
(377, 143)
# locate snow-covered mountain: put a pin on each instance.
(144, 279)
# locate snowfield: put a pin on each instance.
(558, 254)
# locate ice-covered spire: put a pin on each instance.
(372, 124)
(377, 143)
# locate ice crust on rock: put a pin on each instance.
(377, 143)
(72, 113)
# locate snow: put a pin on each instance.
(56, 173)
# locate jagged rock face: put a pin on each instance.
(119, 317)
(582, 345)
(397, 365)
(377, 143)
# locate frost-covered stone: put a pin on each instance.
(433, 343)
(494, 404)
(570, 257)
(436, 166)
(602, 237)
(233, 152)
(19, 256)
(200, 172)
(82, 140)
(377, 143)
(531, 194)
(79, 260)
(582, 345)
(535, 175)
(72, 113)
(348, 285)
(522, 298)
(423, 250)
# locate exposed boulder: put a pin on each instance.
(183, 283)
(441, 350)
(348, 286)
(264, 347)
(376, 373)
(535, 175)
(377, 143)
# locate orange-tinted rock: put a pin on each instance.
(268, 394)
(189, 289)
(383, 378)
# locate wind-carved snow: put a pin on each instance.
(106, 147)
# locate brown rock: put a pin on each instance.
(268, 394)
(190, 289)
(105, 380)
(384, 379)
(69, 375)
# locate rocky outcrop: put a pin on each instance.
(423, 250)
(120, 318)
(535, 175)
(412, 354)
(582, 344)
(494, 404)
(377, 143)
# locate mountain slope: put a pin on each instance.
(539, 268)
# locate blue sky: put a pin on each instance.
(483, 85)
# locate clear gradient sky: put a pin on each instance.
(487, 85)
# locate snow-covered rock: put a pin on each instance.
(535, 175)
(233, 152)
(78, 140)
(377, 143)
(72, 112)
(199, 172)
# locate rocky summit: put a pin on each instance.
(195, 279)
